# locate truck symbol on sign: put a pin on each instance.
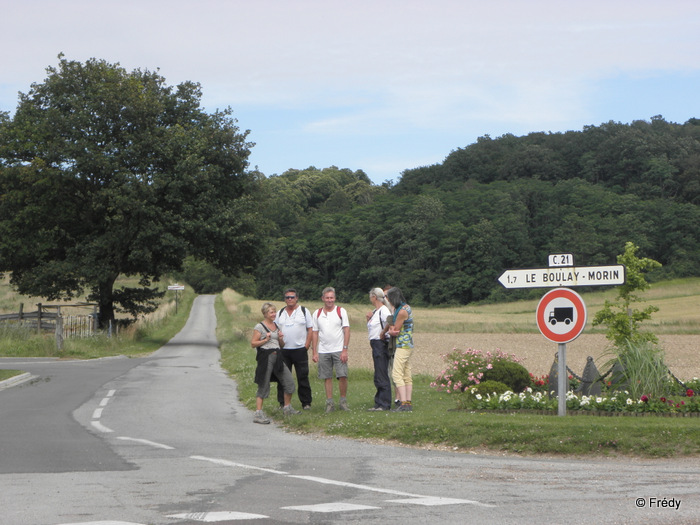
(561, 315)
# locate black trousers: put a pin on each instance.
(380, 356)
(297, 360)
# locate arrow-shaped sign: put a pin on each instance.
(566, 276)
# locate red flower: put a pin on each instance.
(645, 398)
(689, 392)
(663, 399)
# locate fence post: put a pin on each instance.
(59, 332)
(38, 317)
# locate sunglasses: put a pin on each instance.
(290, 296)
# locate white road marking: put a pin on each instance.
(416, 499)
(97, 414)
(99, 426)
(103, 523)
(331, 507)
(147, 442)
(356, 486)
(228, 463)
(429, 501)
(218, 516)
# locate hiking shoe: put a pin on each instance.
(344, 404)
(377, 409)
(307, 407)
(260, 418)
(290, 411)
(397, 403)
(406, 407)
(330, 406)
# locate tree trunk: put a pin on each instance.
(106, 302)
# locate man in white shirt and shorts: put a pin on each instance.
(330, 339)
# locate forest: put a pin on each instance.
(444, 233)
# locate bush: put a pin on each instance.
(465, 368)
(489, 387)
(514, 375)
(476, 393)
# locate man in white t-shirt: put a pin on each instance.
(330, 339)
(295, 322)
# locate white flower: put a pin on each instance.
(478, 396)
(630, 401)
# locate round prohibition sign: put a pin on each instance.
(561, 315)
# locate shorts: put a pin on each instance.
(326, 363)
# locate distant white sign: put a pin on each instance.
(561, 259)
(565, 276)
(176, 287)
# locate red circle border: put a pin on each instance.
(576, 329)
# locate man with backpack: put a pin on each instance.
(295, 322)
(329, 342)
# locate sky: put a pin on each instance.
(380, 86)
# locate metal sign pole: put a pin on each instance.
(563, 379)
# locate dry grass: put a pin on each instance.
(511, 328)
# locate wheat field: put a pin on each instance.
(511, 328)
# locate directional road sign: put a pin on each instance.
(564, 276)
(561, 315)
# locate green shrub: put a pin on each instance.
(489, 387)
(473, 394)
(514, 375)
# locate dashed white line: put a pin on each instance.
(147, 442)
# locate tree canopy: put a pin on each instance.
(105, 172)
(444, 233)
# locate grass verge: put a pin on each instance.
(435, 423)
(142, 338)
(8, 374)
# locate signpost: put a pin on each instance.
(561, 316)
(177, 288)
(561, 313)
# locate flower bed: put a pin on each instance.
(465, 369)
(618, 403)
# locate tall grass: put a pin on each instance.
(642, 370)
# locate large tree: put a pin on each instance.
(107, 173)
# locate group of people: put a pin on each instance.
(283, 340)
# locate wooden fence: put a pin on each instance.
(50, 318)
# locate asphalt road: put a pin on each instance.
(164, 440)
